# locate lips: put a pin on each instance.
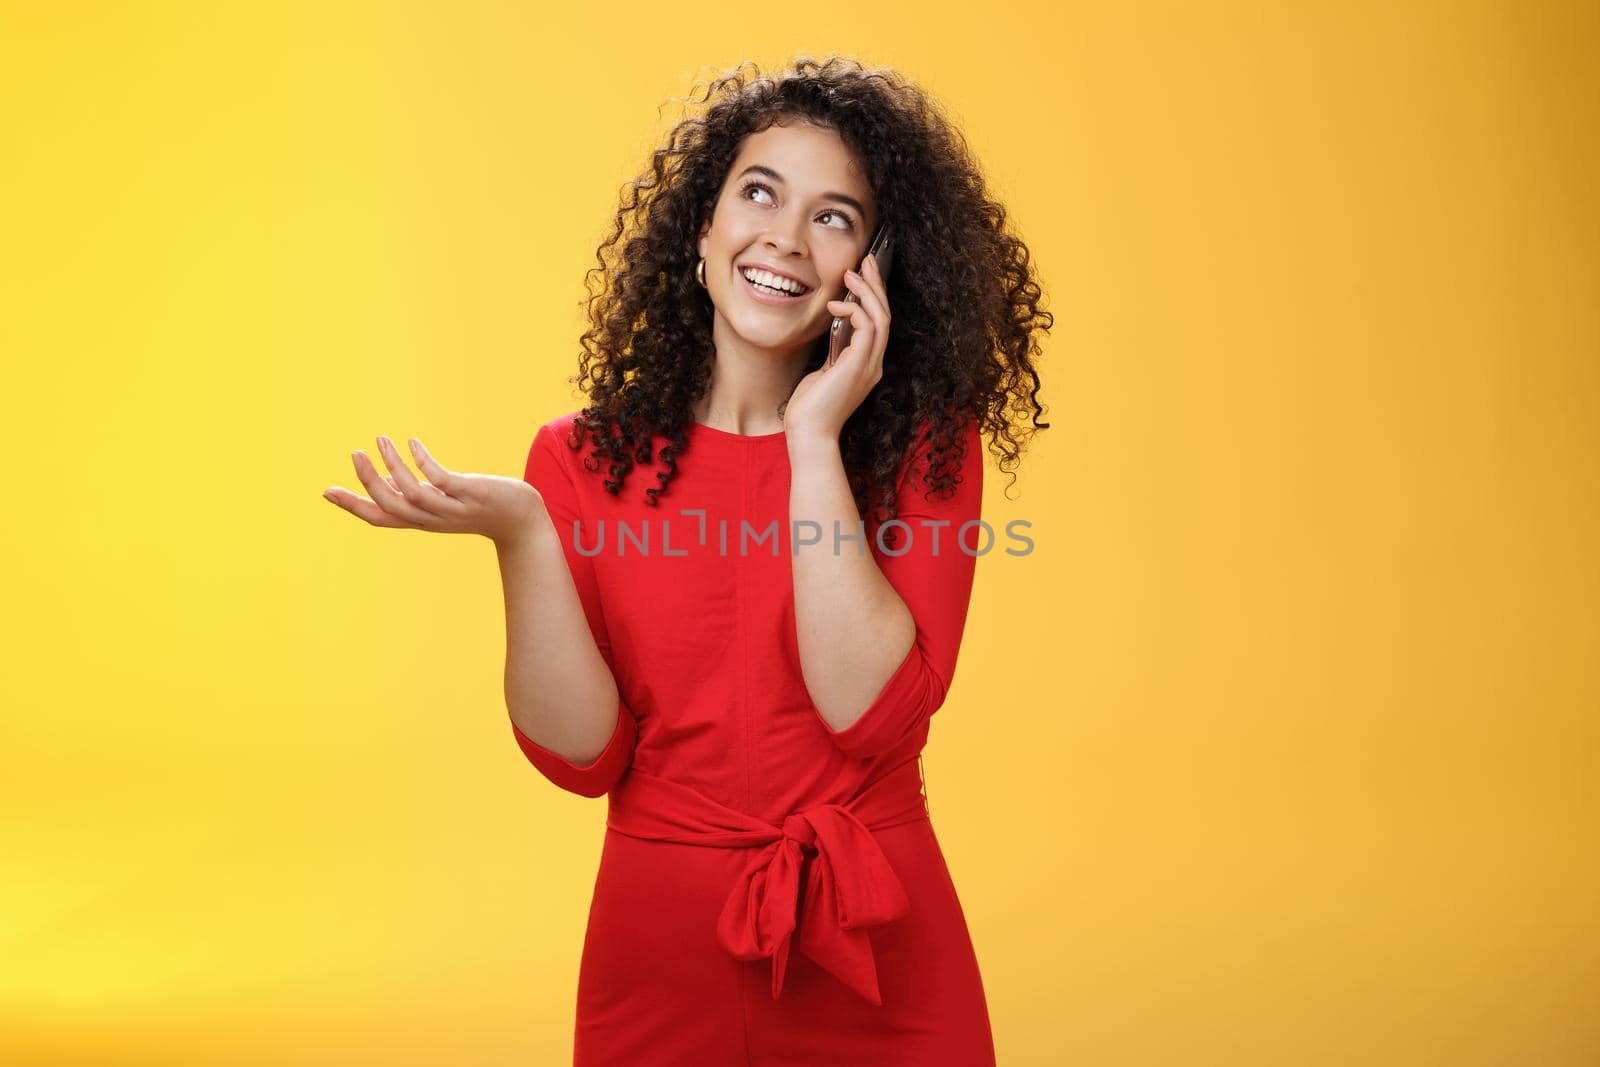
(769, 298)
(742, 267)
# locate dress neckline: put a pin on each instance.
(744, 438)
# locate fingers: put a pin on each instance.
(363, 508)
(389, 496)
(849, 309)
(421, 495)
(863, 338)
(874, 302)
(399, 500)
(440, 478)
(404, 482)
(871, 291)
(861, 329)
(876, 277)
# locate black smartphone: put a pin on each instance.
(883, 248)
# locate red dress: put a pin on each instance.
(770, 890)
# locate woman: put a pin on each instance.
(772, 623)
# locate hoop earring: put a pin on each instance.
(700, 272)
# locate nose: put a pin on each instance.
(785, 236)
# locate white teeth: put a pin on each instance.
(773, 281)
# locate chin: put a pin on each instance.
(761, 333)
(771, 342)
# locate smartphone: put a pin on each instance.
(883, 248)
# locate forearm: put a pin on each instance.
(559, 691)
(852, 628)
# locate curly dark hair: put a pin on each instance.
(961, 346)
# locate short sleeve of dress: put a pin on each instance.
(928, 566)
(547, 470)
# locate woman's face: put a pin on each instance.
(795, 202)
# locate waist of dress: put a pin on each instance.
(849, 884)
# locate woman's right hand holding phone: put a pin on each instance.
(503, 509)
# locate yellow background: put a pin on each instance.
(1281, 748)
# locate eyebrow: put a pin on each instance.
(775, 176)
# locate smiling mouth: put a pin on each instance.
(770, 294)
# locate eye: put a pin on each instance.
(849, 223)
(745, 192)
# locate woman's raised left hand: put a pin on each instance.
(827, 397)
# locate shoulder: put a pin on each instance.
(550, 458)
(964, 450)
(954, 466)
(553, 439)
(558, 429)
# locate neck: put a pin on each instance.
(749, 387)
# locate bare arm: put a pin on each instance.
(879, 664)
(877, 638)
(559, 691)
(853, 629)
(561, 685)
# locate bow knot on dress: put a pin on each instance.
(848, 886)
(798, 828)
(819, 880)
